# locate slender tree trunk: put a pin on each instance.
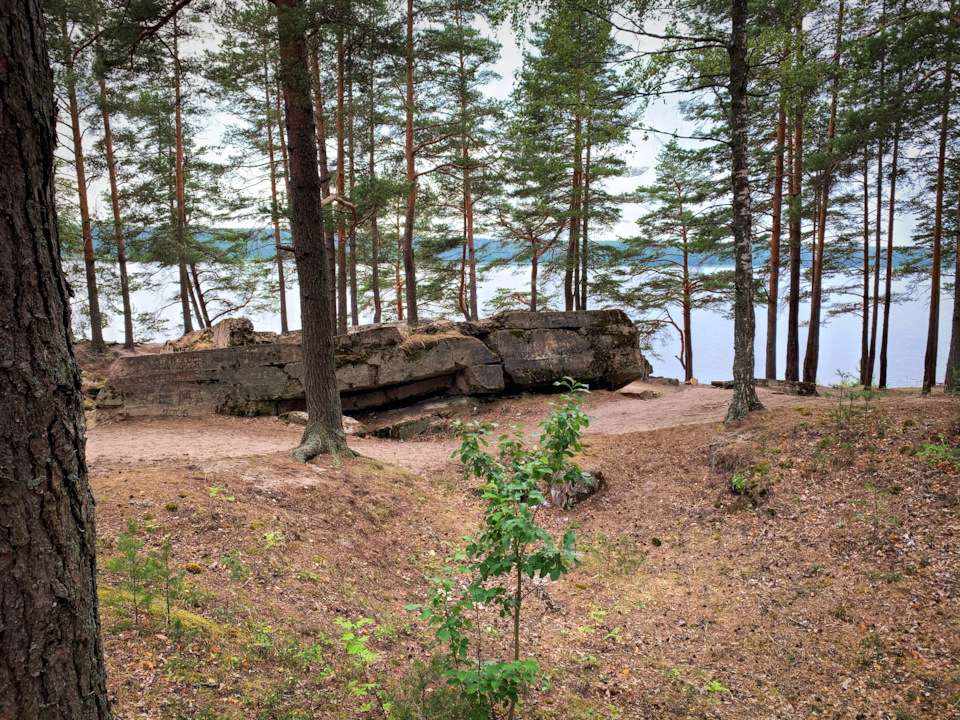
(398, 280)
(952, 380)
(117, 218)
(586, 223)
(329, 226)
(875, 312)
(471, 259)
(284, 154)
(687, 314)
(93, 296)
(811, 359)
(888, 280)
(341, 187)
(462, 292)
(792, 370)
(409, 268)
(881, 152)
(773, 289)
(573, 246)
(193, 299)
(374, 230)
(534, 271)
(471, 246)
(275, 206)
(180, 207)
(865, 329)
(745, 397)
(324, 431)
(51, 651)
(354, 305)
(933, 328)
(201, 299)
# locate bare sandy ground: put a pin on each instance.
(691, 406)
(153, 441)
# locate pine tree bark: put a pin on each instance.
(792, 369)
(409, 268)
(329, 228)
(573, 246)
(324, 431)
(745, 397)
(687, 314)
(474, 313)
(534, 272)
(51, 652)
(811, 359)
(354, 294)
(773, 288)
(202, 313)
(881, 153)
(86, 231)
(180, 208)
(117, 218)
(275, 206)
(374, 228)
(865, 328)
(341, 187)
(888, 280)
(933, 326)
(952, 381)
(586, 225)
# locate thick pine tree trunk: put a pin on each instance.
(329, 231)
(933, 327)
(324, 431)
(275, 206)
(773, 289)
(745, 397)
(51, 652)
(811, 359)
(117, 218)
(86, 231)
(409, 268)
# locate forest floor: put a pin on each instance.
(828, 589)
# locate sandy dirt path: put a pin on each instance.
(692, 406)
(150, 442)
(153, 441)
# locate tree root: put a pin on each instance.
(318, 440)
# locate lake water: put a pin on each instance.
(712, 334)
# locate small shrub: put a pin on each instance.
(511, 546)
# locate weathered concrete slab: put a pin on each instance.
(381, 365)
